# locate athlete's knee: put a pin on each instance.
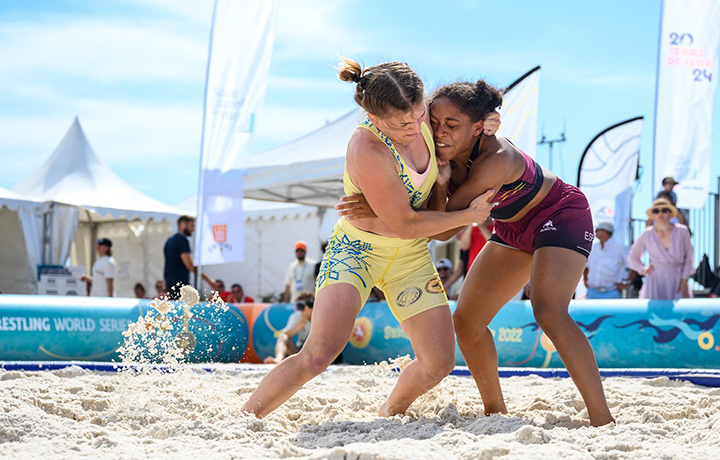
(317, 359)
(438, 367)
(550, 319)
(467, 329)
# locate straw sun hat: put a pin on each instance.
(661, 203)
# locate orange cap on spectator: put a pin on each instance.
(300, 245)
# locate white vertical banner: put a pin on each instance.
(686, 82)
(241, 41)
(519, 112)
(607, 173)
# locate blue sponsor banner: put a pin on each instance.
(90, 329)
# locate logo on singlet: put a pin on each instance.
(434, 286)
(409, 296)
(548, 226)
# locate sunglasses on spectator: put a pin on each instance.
(661, 210)
(442, 268)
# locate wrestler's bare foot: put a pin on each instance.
(387, 411)
(270, 360)
(607, 420)
(496, 409)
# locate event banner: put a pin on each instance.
(519, 112)
(686, 82)
(607, 172)
(241, 44)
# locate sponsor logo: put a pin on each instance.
(219, 233)
(589, 236)
(495, 204)
(434, 286)
(361, 334)
(605, 213)
(409, 296)
(548, 226)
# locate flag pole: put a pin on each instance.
(201, 181)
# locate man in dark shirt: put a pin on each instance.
(178, 258)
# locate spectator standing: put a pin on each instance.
(103, 271)
(300, 274)
(296, 330)
(160, 289)
(451, 280)
(668, 184)
(473, 238)
(606, 268)
(671, 255)
(178, 258)
(681, 217)
(140, 292)
(238, 295)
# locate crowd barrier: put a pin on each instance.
(623, 333)
(90, 329)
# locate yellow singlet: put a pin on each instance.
(417, 194)
(402, 269)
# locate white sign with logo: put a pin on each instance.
(686, 83)
(608, 169)
(242, 38)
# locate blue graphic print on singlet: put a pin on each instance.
(415, 195)
(344, 255)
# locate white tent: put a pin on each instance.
(75, 175)
(16, 277)
(308, 170)
(271, 229)
(88, 200)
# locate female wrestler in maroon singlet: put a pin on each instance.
(543, 233)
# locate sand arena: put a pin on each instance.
(75, 413)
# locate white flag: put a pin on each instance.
(241, 44)
(519, 112)
(687, 78)
(607, 172)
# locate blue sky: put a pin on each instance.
(133, 71)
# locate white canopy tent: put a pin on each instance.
(308, 170)
(16, 277)
(87, 200)
(271, 230)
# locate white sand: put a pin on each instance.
(74, 413)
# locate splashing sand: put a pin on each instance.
(81, 414)
(163, 337)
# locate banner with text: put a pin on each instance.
(241, 44)
(686, 82)
(519, 112)
(607, 172)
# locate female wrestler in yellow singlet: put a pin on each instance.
(391, 160)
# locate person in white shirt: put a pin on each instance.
(101, 283)
(296, 330)
(300, 274)
(452, 280)
(606, 268)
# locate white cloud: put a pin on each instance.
(318, 30)
(101, 50)
(51, 63)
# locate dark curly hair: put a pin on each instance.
(476, 100)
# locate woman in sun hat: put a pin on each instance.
(671, 255)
